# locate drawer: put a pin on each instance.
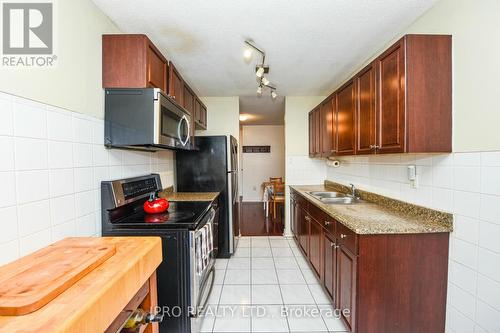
(323, 218)
(347, 238)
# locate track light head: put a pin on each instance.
(274, 94)
(265, 81)
(259, 90)
(260, 71)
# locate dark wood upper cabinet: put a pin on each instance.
(346, 113)
(326, 127)
(428, 93)
(189, 100)
(314, 133)
(200, 114)
(390, 68)
(414, 106)
(365, 111)
(399, 103)
(175, 84)
(132, 61)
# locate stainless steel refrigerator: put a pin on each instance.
(214, 167)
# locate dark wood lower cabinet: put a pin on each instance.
(346, 284)
(315, 245)
(390, 283)
(303, 230)
(330, 265)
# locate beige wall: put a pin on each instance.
(223, 116)
(297, 122)
(475, 28)
(258, 167)
(75, 82)
(299, 168)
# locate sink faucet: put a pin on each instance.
(353, 190)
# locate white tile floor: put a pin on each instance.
(268, 286)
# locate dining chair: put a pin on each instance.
(278, 196)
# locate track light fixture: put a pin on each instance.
(260, 69)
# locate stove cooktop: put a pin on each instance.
(179, 215)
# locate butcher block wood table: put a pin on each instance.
(80, 285)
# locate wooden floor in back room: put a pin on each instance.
(255, 223)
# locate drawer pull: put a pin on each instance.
(308, 219)
(328, 222)
(343, 236)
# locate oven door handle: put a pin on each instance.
(183, 142)
(211, 274)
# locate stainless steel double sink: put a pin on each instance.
(335, 198)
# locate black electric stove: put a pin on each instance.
(188, 232)
(179, 215)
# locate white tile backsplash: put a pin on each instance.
(6, 119)
(467, 185)
(31, 154)
(7, 153)
(51, 166)
(59, 125)
(30, 121)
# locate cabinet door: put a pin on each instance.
(317, 132)
(391, 100)
(315, 245)
(156, 69)
(311, 134)
(189, 100)
(346, 284)
(326, 127)
(303, 226)
(346, 109)
(365, 111)
(176, 84)
(203, 118)
(330, 265)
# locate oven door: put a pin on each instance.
(172, 124)
(202, 267)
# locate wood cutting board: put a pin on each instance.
(34, 280)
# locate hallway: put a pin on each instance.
(254, 222)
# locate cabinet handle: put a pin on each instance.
(328, 222)
(308, 219)
(374, 146)
(343, 236)
(333, 245)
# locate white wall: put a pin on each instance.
(51, 164)
(223, 116)
(299, 168)
(258, 167)
(75, 82)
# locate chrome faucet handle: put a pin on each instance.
(353, 190)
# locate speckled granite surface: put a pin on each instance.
(379, 214)
(187, 196)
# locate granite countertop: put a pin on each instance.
(188, 196)
(379, 214)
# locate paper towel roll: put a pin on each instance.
(334, 164)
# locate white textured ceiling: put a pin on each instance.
(311, 45)
(262, 110)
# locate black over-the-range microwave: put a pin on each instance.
(145, 119)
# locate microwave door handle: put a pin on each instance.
(179, 130)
